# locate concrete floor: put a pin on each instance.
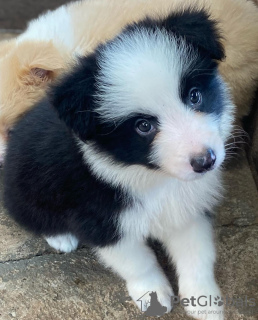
(37, 283)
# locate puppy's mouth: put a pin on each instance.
(203, 171)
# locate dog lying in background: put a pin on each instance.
(128, 145)
(39, 55)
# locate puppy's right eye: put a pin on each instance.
(144, 127)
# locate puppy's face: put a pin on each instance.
(159, 102)
(162, 104)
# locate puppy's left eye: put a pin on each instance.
(195, 97)
(144, 127)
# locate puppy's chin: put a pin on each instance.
(186, 173)
(187, 176)
(193, 176)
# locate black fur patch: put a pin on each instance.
(73, 97)
(124, 143)
(194, 26)
(203, 76)
(49, 190)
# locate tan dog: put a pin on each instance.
(39, 55)
(25, 73)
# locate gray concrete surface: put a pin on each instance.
(38, 283)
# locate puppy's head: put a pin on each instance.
(153, 97)
(26, 68)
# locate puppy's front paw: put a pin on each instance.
(152, 293)
(204, 303)
(65, 242)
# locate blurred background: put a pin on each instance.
(14, 14)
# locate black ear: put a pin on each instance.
(197, 28)
(72, 97)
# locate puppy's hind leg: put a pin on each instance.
(63, 242)
(138, 266)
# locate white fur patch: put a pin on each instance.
(63, 242)
(53, 26)
(141, 72)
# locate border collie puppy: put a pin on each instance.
(128, 146)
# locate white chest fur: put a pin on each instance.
(170, 204)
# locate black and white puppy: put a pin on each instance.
(136, 154)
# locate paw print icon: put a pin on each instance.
(218, 301)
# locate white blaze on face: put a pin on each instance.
(183, 135)
(139, 71)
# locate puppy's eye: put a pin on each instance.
(144, 127)
(195, 97)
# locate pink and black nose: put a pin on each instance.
(204, 161)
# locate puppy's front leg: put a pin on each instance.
(192, 250)
(138, 266)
